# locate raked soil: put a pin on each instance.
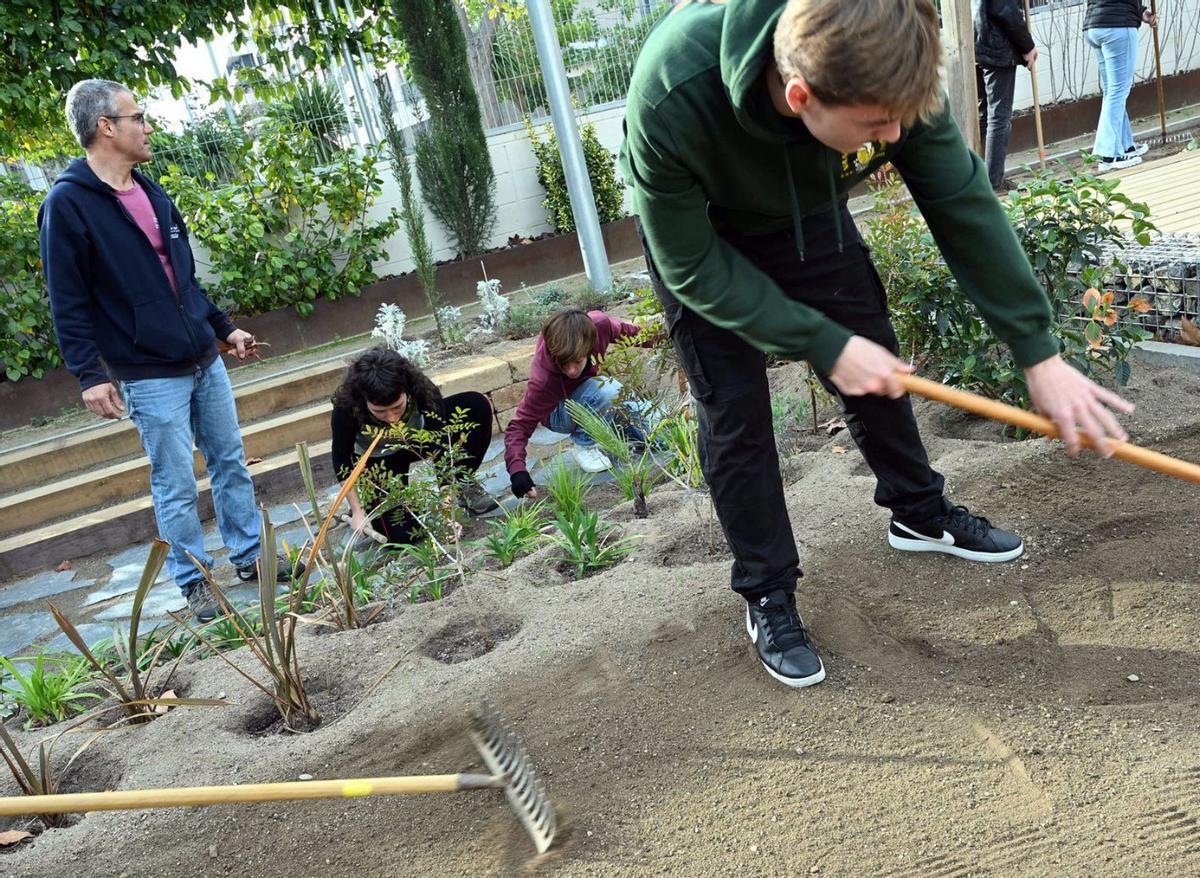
(1031, 718)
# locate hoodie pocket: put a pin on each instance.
(159, 331)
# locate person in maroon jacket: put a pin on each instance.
(564, 367)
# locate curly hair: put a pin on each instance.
(379, 376)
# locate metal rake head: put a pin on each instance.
(503, 754)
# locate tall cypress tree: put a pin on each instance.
(453, 164)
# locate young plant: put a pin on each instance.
(515, 534)
(679, 433)
(47, 696)
(588, 544)
(432, 576)
(32, 782)
(130, 680)
(568, 486)
(635, 474)
(351, 589)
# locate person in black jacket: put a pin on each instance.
(140, 333)
(1110, 28)
(382, 389)
(1002, 41)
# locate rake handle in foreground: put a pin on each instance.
(1008, 414)
(116, 800)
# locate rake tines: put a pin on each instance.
(503, 754)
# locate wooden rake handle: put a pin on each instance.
(116, 800)
(1008, 414)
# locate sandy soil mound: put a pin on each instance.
(977, 719)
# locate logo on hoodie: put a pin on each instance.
(856, 162)
(174, 232)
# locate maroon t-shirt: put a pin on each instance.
(138, 204)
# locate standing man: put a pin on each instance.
(1002, 41)
(747, 123)
(138, 332)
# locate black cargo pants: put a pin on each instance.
(728, 378)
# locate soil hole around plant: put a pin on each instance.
(469, 639)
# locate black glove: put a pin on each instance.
(522, 484)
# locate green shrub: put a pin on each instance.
(519, 531)
(1062, 225)
(289, 229)
(607, 189)
(588, 544)
(28, 345)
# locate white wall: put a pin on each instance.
(519, 196)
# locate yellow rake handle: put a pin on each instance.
(1008, 414)
(116, 800)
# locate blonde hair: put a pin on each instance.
(570, 336)
(884, 52)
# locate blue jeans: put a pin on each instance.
(1116, 53)
(598, 394)
(170, 415)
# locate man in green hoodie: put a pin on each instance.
(747, 122)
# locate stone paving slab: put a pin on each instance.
(124, 580)
(21, 629)
(91, 632)
(43, 585)
(161, 600)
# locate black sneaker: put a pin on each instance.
(475, 500)
(283, 570)
(957, 532)
(782, 643)
(202, 602)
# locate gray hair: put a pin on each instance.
(87, 101)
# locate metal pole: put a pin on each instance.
(570, 148)
(212, 57)
(352, 74)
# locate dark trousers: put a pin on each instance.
(396, 524)
(994, 85)
(728, 378)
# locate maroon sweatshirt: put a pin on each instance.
(549, 385)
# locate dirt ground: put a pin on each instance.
(1032, 718)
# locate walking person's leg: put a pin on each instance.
(1128, 68)
(160, 408)
(999, 83)
(1111, 45)
(219, 438)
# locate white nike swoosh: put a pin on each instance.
(946, 539)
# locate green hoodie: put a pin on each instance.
(705, 151)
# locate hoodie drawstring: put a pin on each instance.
(798, 217)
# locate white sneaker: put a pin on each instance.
(591, 459)
(1125, 161)
(1137, 149)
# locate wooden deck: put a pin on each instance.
(1171, 187)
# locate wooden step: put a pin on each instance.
(132, 521)
(129, 479)
(94, 446)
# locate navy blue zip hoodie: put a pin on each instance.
(109, 295)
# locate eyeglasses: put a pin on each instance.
(139, 118)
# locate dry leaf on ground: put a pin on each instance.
(13, 836)
(63, 566)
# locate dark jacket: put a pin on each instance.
(109, 295)
(1113, 13)
(706, 153)
(1002, 38)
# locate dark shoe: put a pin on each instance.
(1006, 186)
(283, 570)
(202, 602)
(782, 643)
(956, 532)
(475, 500)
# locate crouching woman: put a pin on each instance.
(381, 390)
